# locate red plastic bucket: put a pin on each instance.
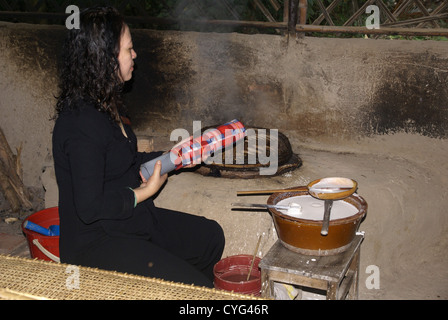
(41, 246)
(230, 274)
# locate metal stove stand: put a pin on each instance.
(337, 275)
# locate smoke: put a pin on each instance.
(192, 13)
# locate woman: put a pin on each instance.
(107, 217)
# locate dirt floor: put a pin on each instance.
(402, 177)
(405, 228)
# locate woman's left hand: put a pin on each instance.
(149, 187)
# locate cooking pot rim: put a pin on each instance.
(276, 197)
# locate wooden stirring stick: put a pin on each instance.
(271, 191)
(253, 258)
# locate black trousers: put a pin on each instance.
(183, 248)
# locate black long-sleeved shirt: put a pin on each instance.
(96, 165)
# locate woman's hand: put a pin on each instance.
(149, 187)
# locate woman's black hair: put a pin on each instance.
(90, 68)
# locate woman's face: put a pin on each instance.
(126, 56)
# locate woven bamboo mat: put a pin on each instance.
(22, 278)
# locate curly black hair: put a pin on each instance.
(90, 68)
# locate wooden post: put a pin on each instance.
(286, 16)
(293, 6)
(303, 6)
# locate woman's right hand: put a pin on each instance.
(149, 187)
